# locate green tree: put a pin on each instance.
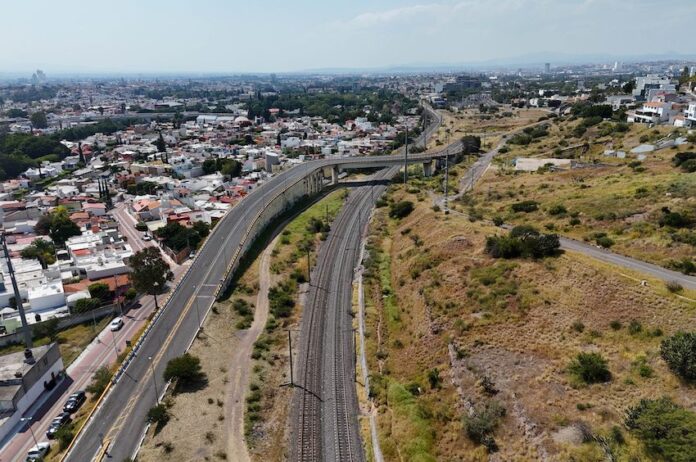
(39, 120)
(667, 430)
(47, 329)
(58, 225)
(41, 250)
(679, 352)
(185, 369)
(209, 166)
(149, 271)
(100, 291)
(160, 144)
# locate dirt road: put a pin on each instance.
(240, 365)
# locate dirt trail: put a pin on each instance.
(240, 365)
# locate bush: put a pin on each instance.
(679, 352)
(674, 286)
(498, 220)
(667, 430)
(100, 380)
(100, 291)
(482, 422)
(523, 241)
(634, 327)
(590, 368)
(185, 370)
(130, 294)
(158, 415)
(141, 226)
(605, 241)
(525, 206)
(401, 209)
(65, 435)
(558, 210)
(685, 265)
(281, 300)
(84, 305)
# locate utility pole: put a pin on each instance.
(18, 298)
(309, 277)
(292, 379)
(406, 158)
(447, 175)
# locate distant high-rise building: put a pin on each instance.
(547, 68)
(617, 66)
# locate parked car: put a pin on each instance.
(74, 402)
(38, 452)
(116, 324)
(147, 237)
(57, 423)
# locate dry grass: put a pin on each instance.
(614, 199)
(513, 322)
(197, 430)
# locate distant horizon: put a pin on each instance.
(234, 37)
(523, 62)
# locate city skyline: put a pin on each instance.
(229, 37)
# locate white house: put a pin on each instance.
(653, 112)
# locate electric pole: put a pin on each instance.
(18, 298)
(446, 175)
(406, 158)
(292, 380)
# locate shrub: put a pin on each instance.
(679, 352)
(578, 326)
(680, 158)
(84, 305)
(141, 226)
(99, 290)
(281, 300)
(590, 368)
(523, 241)
(558, 210)
(615, 325)
(185, 370)
(498, 220)
(130, 294)
(400, 209)
(674, 219)
(667, 430)
(100, 380)
(574, 221)
(634, 327)
(482, 422)
(158, 415)
(685, 265)
(525, 206)
(605, 241)
(65, 435)
(674, 286)
(434, 378)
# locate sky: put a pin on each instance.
(239, 36)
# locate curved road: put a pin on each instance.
(119, 421)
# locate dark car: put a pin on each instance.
(56, 424)
(74, 402)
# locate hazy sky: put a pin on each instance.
(288, 35)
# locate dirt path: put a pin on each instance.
(240, 364)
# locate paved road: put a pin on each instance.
(607, 256)
(121, 417)
(99, 353)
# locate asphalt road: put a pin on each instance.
(688, 282)
(120, 419)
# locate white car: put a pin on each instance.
(116, 324)
(147, 237)
(38, 452)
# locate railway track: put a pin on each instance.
(326, 411)
(325, 405)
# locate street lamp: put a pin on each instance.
(154, 294)
(154, 379)
(28, 419)
(198, 313)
